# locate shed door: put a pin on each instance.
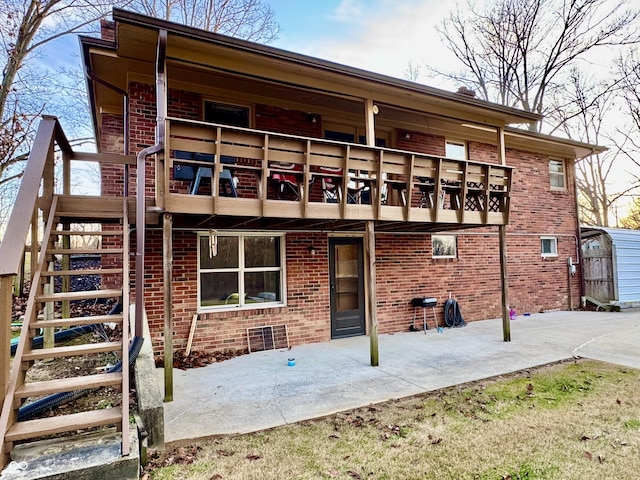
(346, 270)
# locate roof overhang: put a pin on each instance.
(194, 53)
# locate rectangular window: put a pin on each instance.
(549, 246)
(235, 115)
(444, 246)
(557, 176)
(244, 270)
(455, 150)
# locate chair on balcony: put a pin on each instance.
(331, 184)
(228, 181)
(427, 188)
(198, 173)
(287, 186)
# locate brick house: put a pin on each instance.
(294, 191)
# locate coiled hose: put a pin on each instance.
(452, 314)
(43, 404)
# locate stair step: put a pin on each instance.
(84, 271)
(85, 251)
(71, 350)
(87, 233)
(83, 295)
(47, 387)
(63, 423)
(70, 215)
(77, 321)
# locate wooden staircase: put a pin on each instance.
(57, 242)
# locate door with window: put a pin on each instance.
(346, 271)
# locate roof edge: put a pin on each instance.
(144, 21)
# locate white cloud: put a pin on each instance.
(385, 36)
(348, 11)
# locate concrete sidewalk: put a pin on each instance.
(259, 391)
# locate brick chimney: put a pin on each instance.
(466, 91)
(108, 30)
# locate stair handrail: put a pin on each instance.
(8, 416)
(39, 167)
(124, 355)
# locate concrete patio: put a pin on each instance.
(259, 391)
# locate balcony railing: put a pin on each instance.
(265, 174)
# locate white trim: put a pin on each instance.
(562, 175)
(240, 270)
(555, 244)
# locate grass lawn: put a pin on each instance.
(576, 420)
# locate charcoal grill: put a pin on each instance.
(423, 303)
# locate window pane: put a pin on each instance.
(455, 150)
(262, 287)
(261, 252)
(226, 114)
(218, 288)
(227, 253)
(549, 246)
(556, 173)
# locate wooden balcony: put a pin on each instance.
(262, 178)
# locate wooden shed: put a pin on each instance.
(611, 265)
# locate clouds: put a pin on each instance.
(383, 36)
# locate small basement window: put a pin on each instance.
(549, 246)
(444, 246)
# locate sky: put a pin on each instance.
(383, 36)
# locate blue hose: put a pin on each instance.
(46, 403)
(58, 336)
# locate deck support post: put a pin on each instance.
(502, 236)
(167, 256)
(373, 310)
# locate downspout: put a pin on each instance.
(140, 176)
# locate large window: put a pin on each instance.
(444, 246)
(242, 270)
(557, 175)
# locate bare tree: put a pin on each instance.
(516, 52)
(248, 19)
(582, 111)
(632, 220)
(27, 26)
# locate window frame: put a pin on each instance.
(240, 270)
(459, 143)
(562, 175)
(228, 103)
(552, 254)
(455, 246)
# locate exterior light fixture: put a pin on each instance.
(312, 250)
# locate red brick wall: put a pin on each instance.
(405, 268)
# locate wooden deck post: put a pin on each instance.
(6, 298)
(167, 264)
(373, 302)
(502, 236)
